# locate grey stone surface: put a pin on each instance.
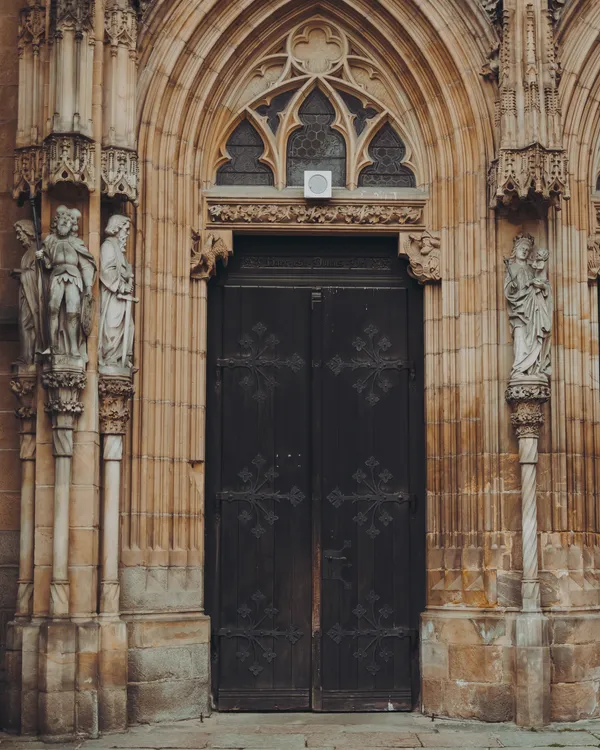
(317, 732)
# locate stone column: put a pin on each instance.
(64, 378)
(526, 397)
(24, 386)
(115, 390)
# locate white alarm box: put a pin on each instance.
(317, 185)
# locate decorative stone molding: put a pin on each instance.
(593, 264)
(75, 14)
(69, 158)
(365, 214)
(64, 387)
(120, 27)
(527, 399)
(206, 254)
(28, 171)
(423, 251)
(517, 173)
(115, 392)
(119, 171)
(531, 161)
(493, 9)
(23, 385)
(32, 27)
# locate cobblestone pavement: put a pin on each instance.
(327, 732)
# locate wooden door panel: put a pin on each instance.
(263, 495)
(367, 499)
(315, 531)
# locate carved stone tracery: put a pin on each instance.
(317, 59)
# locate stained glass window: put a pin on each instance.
(387, 151)
(316, 145)
(245, 147)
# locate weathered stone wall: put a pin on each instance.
(9, 259)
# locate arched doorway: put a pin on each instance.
(315, 488)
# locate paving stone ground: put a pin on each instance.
(327, 732)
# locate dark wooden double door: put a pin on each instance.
(315, 477)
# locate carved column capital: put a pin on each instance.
(64, 379)
(206, 252)
(423, 252)
(115, 392)
(527, 397)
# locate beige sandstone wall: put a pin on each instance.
(9, 258)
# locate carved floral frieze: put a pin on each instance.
(368, 214)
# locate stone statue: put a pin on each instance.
(30, 328)
(530, 307)
(115, 335)
(72, 274)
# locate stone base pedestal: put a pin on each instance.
(468, 664)
(68, 679)
(112, 673)
(533, 670)
(169, 667)
(19, 713)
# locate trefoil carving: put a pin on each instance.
(257, 493)
(252, 632)
(374, 382)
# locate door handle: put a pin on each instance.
(335, 563)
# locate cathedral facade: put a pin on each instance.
(299, 360)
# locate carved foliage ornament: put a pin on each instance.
(115, 393)
(527, 400)
(205, 254)
(423, 251)
(299, 214)
(24, 390)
